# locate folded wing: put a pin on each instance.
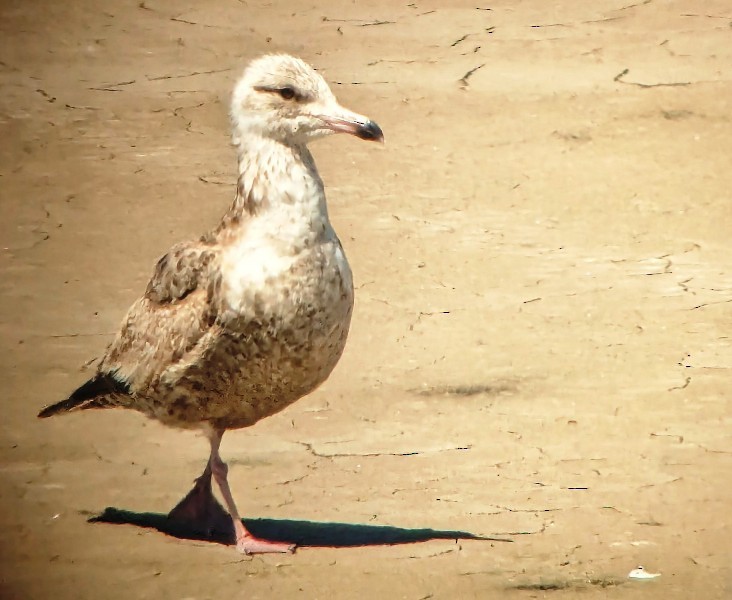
(172, 322)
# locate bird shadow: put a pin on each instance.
(301, 533)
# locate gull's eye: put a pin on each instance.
(286, 92)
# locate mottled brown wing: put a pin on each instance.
(169, 321)
(181, 271)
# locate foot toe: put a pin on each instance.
(251, 545)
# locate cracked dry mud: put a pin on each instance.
(540, 348)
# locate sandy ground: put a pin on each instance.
(540, 349)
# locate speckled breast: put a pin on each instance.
(278, 341)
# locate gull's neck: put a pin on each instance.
(276, 179)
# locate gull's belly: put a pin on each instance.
(281, 337)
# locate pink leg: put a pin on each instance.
(245, 541)
(200, 511)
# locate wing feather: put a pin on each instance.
(170, 320)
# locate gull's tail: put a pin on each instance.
(98, 392)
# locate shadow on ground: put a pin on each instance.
(302, 533)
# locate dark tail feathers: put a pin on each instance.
(90, 395)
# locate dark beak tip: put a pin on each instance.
(370, 131)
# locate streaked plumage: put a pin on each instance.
(250, 317)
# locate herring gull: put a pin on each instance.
(253, 315)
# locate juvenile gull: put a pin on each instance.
(250, 317)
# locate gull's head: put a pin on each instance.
(283, 98)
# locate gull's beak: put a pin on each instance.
(355, 124)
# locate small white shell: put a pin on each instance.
(640, 573)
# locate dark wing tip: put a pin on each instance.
(54, 409)
(89, 395)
